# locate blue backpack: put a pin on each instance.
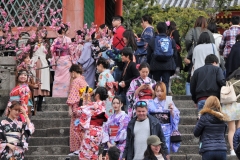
(163, 48)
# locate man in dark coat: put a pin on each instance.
(207, 81)
(138, 130)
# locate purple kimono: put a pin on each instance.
(168, 123)
(115, 130)
(88, 64)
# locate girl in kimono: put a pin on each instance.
(140, 88)
(87, 62)
(168, 118)
(22, 92)
(39, 58)
(14, 134)
(73, 101)
(115, 129)
(106, 79)
(61, 61)
(91, 119)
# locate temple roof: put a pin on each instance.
(188, 3)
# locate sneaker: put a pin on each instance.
(232, 153)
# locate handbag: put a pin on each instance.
(175, 136)
(227, 94)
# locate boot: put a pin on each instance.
(39, 104)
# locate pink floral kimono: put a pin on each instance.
(72, 101)
(91, 121)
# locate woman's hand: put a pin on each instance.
(187, 61)
(122, 84)
(12, 147)
(23, 111)
(70, 111)
(171, 107)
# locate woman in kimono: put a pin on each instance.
(39, 58)
(168, 118)
(73, 101)
(140, 88)
(62, 60)
(14, 134)
(106, 79)
(87, 62)
(91, 119)
(115, 129)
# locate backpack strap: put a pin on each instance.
(236, 82)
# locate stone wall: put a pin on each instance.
(7, 78)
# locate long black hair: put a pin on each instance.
(149, 153)
(129, 35)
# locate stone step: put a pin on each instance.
(50, 157)
(64, 114)
(49, 141)
(195, 157)
(64, 107)
(48, 150)
(172, 156)
(187, 139)
(52, 132)
(47, 122)
(64, 131)
(56, 100)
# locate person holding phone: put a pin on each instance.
(168, 118)
(140, 88)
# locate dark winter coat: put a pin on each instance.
(236, 141)
(155, 129)
(207, 81)
(211, 129)
(232, 62)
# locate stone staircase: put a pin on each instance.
(51, 138)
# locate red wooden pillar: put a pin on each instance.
(99, 12)
(73, 12)
(118, 7)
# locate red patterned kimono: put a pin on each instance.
(72, 101)
(91, 120)
(21, 93)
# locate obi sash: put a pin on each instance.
(113, 130)
(13, 137)
(145, 94)
(98, 120)
(163, 117)
(17, 98)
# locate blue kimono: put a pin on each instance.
(168, 123)
(88, 64)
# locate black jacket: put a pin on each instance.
(233, 60)
(155, 129)
(155, 65)
(207, 81)
(155, 158)
(131, 73)
(211, 129)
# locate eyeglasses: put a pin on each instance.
(141, 103)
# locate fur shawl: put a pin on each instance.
(219, 115)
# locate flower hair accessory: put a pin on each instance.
(167, 23)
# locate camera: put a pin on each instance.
(96, 49)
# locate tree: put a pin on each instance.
(184, 18)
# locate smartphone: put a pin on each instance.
(147, 83)
(168, 101)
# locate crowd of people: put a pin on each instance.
(117, 82)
